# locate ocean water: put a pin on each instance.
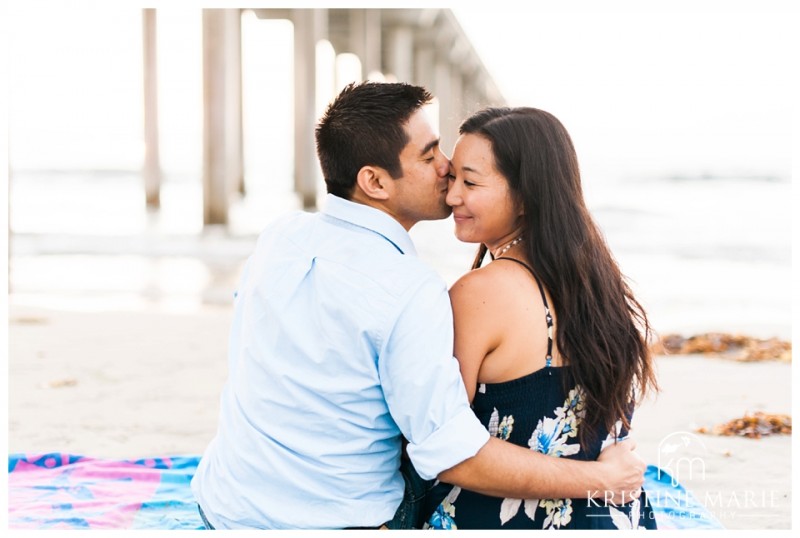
(702, 254)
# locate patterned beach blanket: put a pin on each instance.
(66, 491)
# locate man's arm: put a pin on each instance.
(503, 469)
(481, 318)
(427, 399)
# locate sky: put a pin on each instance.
(666, 89)
(683, 91)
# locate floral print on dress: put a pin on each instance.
(510, 507)
(626, 521)
(572, 412)
(550, 437)
(612, 438)
(552, 434)
(501, 430)
(559, 512)
(442, 518)
(547, 423)
(506, 427)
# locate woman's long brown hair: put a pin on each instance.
(602, 331)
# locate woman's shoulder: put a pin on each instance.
(476, 282)
(495, 282)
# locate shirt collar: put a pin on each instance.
(370, 218)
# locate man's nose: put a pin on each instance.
(443, 165)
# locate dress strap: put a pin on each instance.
(547, 316)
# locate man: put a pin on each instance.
(341, 345)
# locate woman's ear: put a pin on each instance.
(373, 182)
(519, 207)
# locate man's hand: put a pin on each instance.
(623, 472)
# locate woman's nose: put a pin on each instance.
(453, 197)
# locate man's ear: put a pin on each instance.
(373, 182)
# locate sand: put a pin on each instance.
(143, 383)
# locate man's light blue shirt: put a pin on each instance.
(341, 343)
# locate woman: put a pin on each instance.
(551, 342)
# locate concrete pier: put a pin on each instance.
(421, 46)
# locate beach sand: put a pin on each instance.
(146, 383)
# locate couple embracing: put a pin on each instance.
(362, 394)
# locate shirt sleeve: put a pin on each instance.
(422, 383)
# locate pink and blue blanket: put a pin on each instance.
(65, 491)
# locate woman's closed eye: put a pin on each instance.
(467, 183)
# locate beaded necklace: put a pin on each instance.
(503, 250)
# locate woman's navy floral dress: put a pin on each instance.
(534, 411)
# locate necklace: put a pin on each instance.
(503, 250)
